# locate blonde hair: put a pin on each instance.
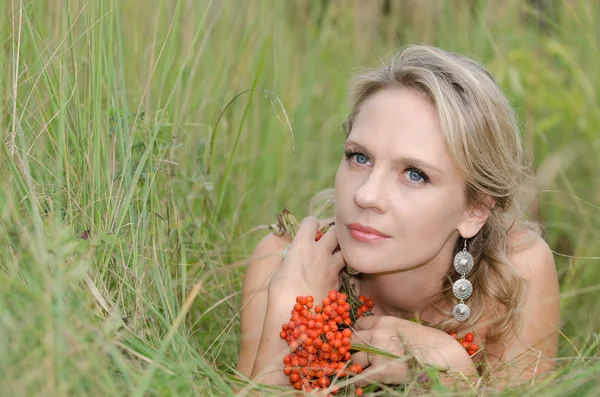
(482, 136)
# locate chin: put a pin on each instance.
(363, 262)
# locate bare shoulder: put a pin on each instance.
(534, 349)
(531, 256)
(265, 258)
(268, 254)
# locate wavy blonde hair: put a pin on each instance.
(482, 136)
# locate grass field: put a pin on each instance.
(145, 144)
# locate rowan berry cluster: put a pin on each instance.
(468, 342)
(319, 341)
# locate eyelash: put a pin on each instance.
(351, 153)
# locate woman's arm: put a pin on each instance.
(267, 256)
(407, 340)
(270, 289)
(534, 350)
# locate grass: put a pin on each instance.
(144, 143)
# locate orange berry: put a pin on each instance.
(469, 337)
(318, 235)
(370, 303)
(475, 347)
(283, 335)
(359, 391)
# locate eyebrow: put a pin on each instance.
(399, 161)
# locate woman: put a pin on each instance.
(433, 169)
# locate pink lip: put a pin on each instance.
(365, 233)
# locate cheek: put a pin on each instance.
(342, 186)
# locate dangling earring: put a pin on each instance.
(462, 288)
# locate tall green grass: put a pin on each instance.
(145, 143)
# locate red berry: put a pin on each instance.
(359, 391)
(318, 235)
(469, 337)
(332, 295)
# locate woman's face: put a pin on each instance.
(397, 177)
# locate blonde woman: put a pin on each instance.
(427, 214)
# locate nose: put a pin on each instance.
(372, 193)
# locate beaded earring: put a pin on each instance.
(462, 288)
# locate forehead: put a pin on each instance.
(400, 122)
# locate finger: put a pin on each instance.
(361, 337)
(308, 229)
(329, 239)
(388, 372)
(361, 358)
(371, 375)
(367, 322)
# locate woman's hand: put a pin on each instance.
(405, 340)
(309, 267)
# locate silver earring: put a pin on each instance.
(462, 288)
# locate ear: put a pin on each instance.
(475, 217)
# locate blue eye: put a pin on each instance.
(357, 157)
(360, 159)
(415, 176)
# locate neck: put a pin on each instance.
(408, 294)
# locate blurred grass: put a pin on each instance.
(132, 181)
